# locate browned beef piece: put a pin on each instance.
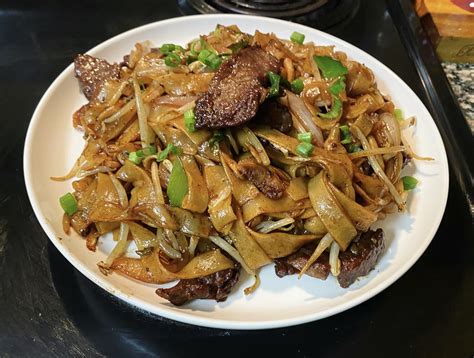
(295, 262)
(361, 256)
(92, 72)
(266, 180)
(236, 90)
(275, 115)
(216, 286)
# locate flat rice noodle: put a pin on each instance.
(277, 138)
(130, 134)
(143, 201)
(144, 238)
(373, 186)
(298, 188)
(307, 213)
(330, 212)
(115, 128)
(263, 205)
(367, 103)
(279, 244)
(242, 190)
(80, 220)
(105, 227)
(365, 123)
(191, 223)
(361, 217)
(315, 226)
(150, 270)
(174, 136)
(253, 255)
(220, 198)
(197, 198)
(197, 137)
(184, 84)
(107, 207)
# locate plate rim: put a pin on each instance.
(186, 316)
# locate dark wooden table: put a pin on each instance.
(47, 308)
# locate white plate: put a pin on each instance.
(52, 145)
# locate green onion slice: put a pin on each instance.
(330, 67)
(297, 85)
(166, 49)
(172, 60)
(305, 137)
(297, 37)
(338, 86)
(178, 184)
(68, 203)
(274, 79)
(135, 158)
(409, 183)
(335, 111)
(190, 120)
(353, 148)
(398, 113)
(304, 149)
(165, 152)
(346, 134)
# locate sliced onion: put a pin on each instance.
(377, 169)
(334, 261)
(193, 242)
(268, 226)
(299, 109)
(232, 141)
(322, 245)
(120, 191)
(392, 127)
(167, 249)
(260, 154)
(119, 249)
(224, 245)
(172, 239)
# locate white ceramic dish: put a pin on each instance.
(52, 145)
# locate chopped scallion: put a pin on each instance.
(274, 79)
(409, 183)
(190, 120)
(135, 158)
(346, 134)
(68, 203)
(167, 48)
(145, 152)
(216, 138)
(353, 148)
(297, 85)
(338, 86)
(398, 113)
(297, 37)
(304, 149)
(165, 152)
(305, 137)
(172, 60)
(330, 67)
(335, 111)
(178, 184)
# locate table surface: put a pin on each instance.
(47, 308)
